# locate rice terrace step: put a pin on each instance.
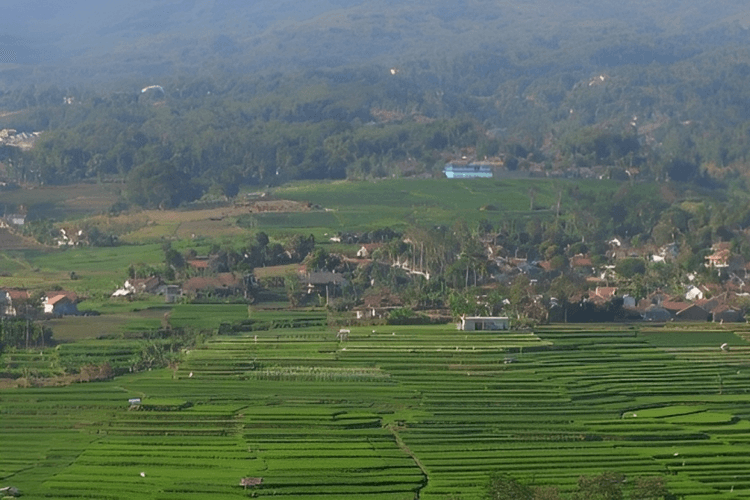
(315, 416)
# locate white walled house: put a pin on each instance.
(478, 323)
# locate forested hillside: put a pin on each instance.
(237, 94)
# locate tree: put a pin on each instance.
(504, 487)
(464, 303)
(261, 238)
(299, 246)
(293, 287)
(627, 268)
(649, 488)
(174, 259)
(546, 493)
(563, 288)
(605, 486)
(319, 259)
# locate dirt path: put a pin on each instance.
(400, 442)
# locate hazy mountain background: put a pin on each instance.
(107, 40)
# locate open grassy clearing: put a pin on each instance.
(396, 202)
(351, 206)
(74, 200)
(74, 328)
(98, 269)
(317, 417)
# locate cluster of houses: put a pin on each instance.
(698, 302)
(220, 285)
(661, 307)
(23, 140)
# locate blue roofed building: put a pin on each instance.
(469, 170)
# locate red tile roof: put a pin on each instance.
(18, 294)
(57, 299)
(675, 306)
(70, 295)
(580, 261)
(606, 292)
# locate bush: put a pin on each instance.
(627, 268)
(405, 316)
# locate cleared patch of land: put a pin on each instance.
(12, 241)
(74, 200)
(74, 328)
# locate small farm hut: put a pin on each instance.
(475, 323)
(251, 481)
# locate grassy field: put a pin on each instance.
(74, 200)
(346, 206)
(396, 202)
(99, 270)
(390, 413)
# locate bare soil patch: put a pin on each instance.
(12, 241)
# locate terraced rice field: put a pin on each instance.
(394, 413)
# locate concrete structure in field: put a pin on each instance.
(477, 323)
(465, 170)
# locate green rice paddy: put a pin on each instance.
(391, 413)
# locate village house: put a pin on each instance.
(16, 219)
(656, 313)
(723, 260)
(366, 250)
(694, 293)
(603, 294)
(12, 300)
(582, 264)
(674, 306)
(324, 283)
(692, 312)
(378, 304)
(198, 264)
(60, 304)
(726, 314)
(628, 301)
(136, 286)
(221, 285)
(172, 293)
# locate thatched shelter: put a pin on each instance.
(251, 481)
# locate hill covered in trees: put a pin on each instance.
(253, 94)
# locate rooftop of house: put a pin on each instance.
(57, 299)
(221, 280)
(580, 261)
(675, 306)
(606, 292)
(17, 294)
(323, 278)
(72, 296)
